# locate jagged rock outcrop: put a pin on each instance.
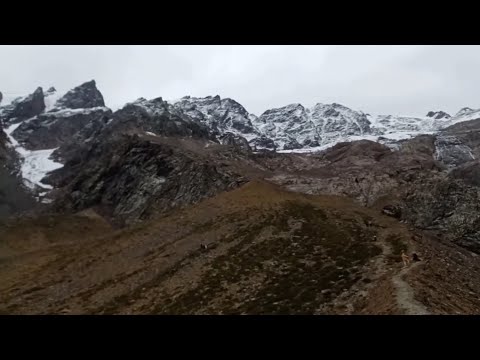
(437, 115)
(448, 205)
(53, 129)
(237, 142)
(3, 143)
(23, 108)
(468, 132)
(155, 116)
(458, 144)
(452, 151)
(220, 115)
(263, 142)
(128, 178)
(83, 96)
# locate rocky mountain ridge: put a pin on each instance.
(212, 222)
(59, 139)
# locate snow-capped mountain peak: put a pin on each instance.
(83, 96)
(295, 126)
(49, 120)
(39, 123)
(220, 115)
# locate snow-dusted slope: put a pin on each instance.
(387, 124)
(465, 114)
(289, 127)
(298, 128)
(301, 129)
(220, 115)
(51, 98)
(295, 127)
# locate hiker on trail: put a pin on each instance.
(405, 258)
(415, 257)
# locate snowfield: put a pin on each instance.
(35, 164)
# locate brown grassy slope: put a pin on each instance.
(270, 252)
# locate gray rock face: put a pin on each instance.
(294, 126)
(458, 144)
(468, 133)
(13, 196)
(82, 97)
(53, 129)
(448, 205)
(451, 151)
(220, 115)
(236, 141)
(8, 157)
(3, 142)
(438, 115)
(23, 108)
(263, 142)
(128, 178)
(363, 170)
(155, 116)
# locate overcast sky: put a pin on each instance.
(408, 80)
